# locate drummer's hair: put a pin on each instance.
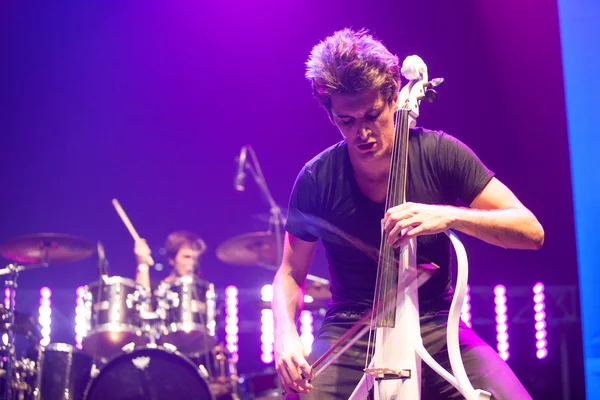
(176, 240)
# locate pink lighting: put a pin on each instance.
(80, 320)
(465, 313)
(306, 331)
(6, 300)
(267, 338)
(539, 307)
(232, 320)
(501, 321)
(45, 315)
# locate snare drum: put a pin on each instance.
(149, 373)
(113, 316)
(187, 309)
(63, 372)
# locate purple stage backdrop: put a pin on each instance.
(151, 103)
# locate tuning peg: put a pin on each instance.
(431, 95)
(437, 82)
(434, 82)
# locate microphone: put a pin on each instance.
(240, 176)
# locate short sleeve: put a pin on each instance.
(303, 205)
(463, 171)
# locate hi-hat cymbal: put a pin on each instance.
(46, 248)
(254, 248)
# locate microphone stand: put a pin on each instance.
(276, 220)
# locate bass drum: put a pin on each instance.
(149, 373)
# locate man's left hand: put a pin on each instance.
(408, 220)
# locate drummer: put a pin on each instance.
(183, 252)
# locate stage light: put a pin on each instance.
(267, 338)
(539, 309)
(45, 315)
(465, 313)
(306, 331)
(232, 321)
(81, 328)
(501, 321)
(6, 301)
(267, 293)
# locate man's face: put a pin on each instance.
(366, 121)
(183, 264)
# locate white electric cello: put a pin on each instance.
(393, 366)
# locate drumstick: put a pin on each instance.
(125, 219)
(128, 224)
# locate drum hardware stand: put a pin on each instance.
(195, 296)
(221, 359)
(151, 328)
(103, 272)
(12, 272)
(276, 219)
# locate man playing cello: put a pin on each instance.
(356, 80)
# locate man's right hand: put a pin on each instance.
(292, 368)
(143, 253)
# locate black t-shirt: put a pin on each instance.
(327, 204)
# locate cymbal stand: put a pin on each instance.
(12, 273)
(276, 219)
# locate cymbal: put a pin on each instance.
(254, 248)
(46, 248)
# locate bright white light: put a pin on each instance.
(80, 317)
(306, 331)
(232, 302)
(231, 291)
(45, 292)
(45, 315)
(539, 316)
(232, 320)
(465, 312)
(542, 353)
(267, 338)
(266, 358)
(267, 293)
(501, 321)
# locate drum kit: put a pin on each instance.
(136, 345)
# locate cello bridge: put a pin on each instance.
(382, 374)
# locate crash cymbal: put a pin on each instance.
(46, 248)
(254, 248)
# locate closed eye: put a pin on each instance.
(373, 117)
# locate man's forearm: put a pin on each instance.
(287, 299)
(509, 228)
